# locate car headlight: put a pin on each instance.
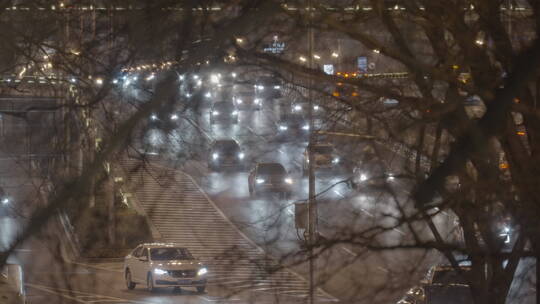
(390, 177)
(297, 107)
(257, 100)
(160, 271)
(335, 160)
(153, 117)
(239, 101)
(288, 180)
(259, 180)
(208, 95)
(260, 87)
(241, 155)
(215, 113)
(277, 87)
(283, 128)
(174, 117)
(215, 156)
(363, 177)
(214, 79)
(5, 201)
(306, 127)
(199, 83)
(202, 271)
(316, 108)
(234, 113)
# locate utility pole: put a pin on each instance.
(312, 204)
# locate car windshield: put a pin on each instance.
(271, 169)
(268, 80)
(293, 118)
(223, 106)
(448, 276)
(226, 145)
(322, 149)
(169, 253)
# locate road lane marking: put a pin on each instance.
(81, 296)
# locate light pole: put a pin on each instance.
(312, 204)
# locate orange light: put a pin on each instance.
(503, 166)
(354, 74)
(354, 94)
(521, 133)
(338, 73)
(516, 100)
(455, 67)
(335, 94)
(346, 75)
(428, 110)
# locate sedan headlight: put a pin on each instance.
(283, 128)
(160, 271)
(234, 113)
(390, 177)
(153, 117)
(202, 271)
(239, 101)
(208, 95)
(297, 107)
(260, 87)
(257, 100)
(215, 156)
(316, 108)
(259, 180)
(174, 117)
(215, 113)
(288, 180)
(335, 160)
(5, 201)
(277, 87)
(363, 177)
(241, 155)
(306, 127)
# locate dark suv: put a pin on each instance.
(268, 87)
(292, 125)
(223, 111)
(225, 153)
(269, 177)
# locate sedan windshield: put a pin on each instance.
(271, 169)
(226, 146)
(223, 107)
(164, 254)
(322, 150)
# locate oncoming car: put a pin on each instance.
(164, 265)
(324, 157)
(223, 111)
(225, 153)
(292, 126)
(269, 177)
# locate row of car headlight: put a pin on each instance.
(255, 101)
(215, 113)
(261, 87)
(240, 155)
(287, 180)
(159, 271)
(284, 127)
(172, 117)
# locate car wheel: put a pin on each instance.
(150, 283)
(129, 281)
(200, 289)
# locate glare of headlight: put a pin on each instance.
(241, 155)
(297, 107)
(391, 177)
(283, 128)
(363, 177)
(174, 117)
(288, 180)
(115, 81)
(202, 271)
(208, 95)
(233, 75)
(159, 271)
(277, 87)
(257, 100)
(316, 108)
(234, 113)
(5, 201)
(335, 160)
(135, 78)
(239, 101)
(73, 80)
(259, 180)
(306, 127)
(181, 77)
(199, 83)
(506, 229)
(188, 95)
(99, 81)
(124, 77)
(214, 78)
(195, 76)
(260, 87)
(153, 117)
(215, 113)
(150, 77)
(215, 156)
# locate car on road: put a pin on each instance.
(302, 107)
(268, 87)
(269, 177)
(223, 111)
(164, 265)
(247, 100)
(226, 153)
(372, 173)
(164, 120)
(292, 126)
(324, 156)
